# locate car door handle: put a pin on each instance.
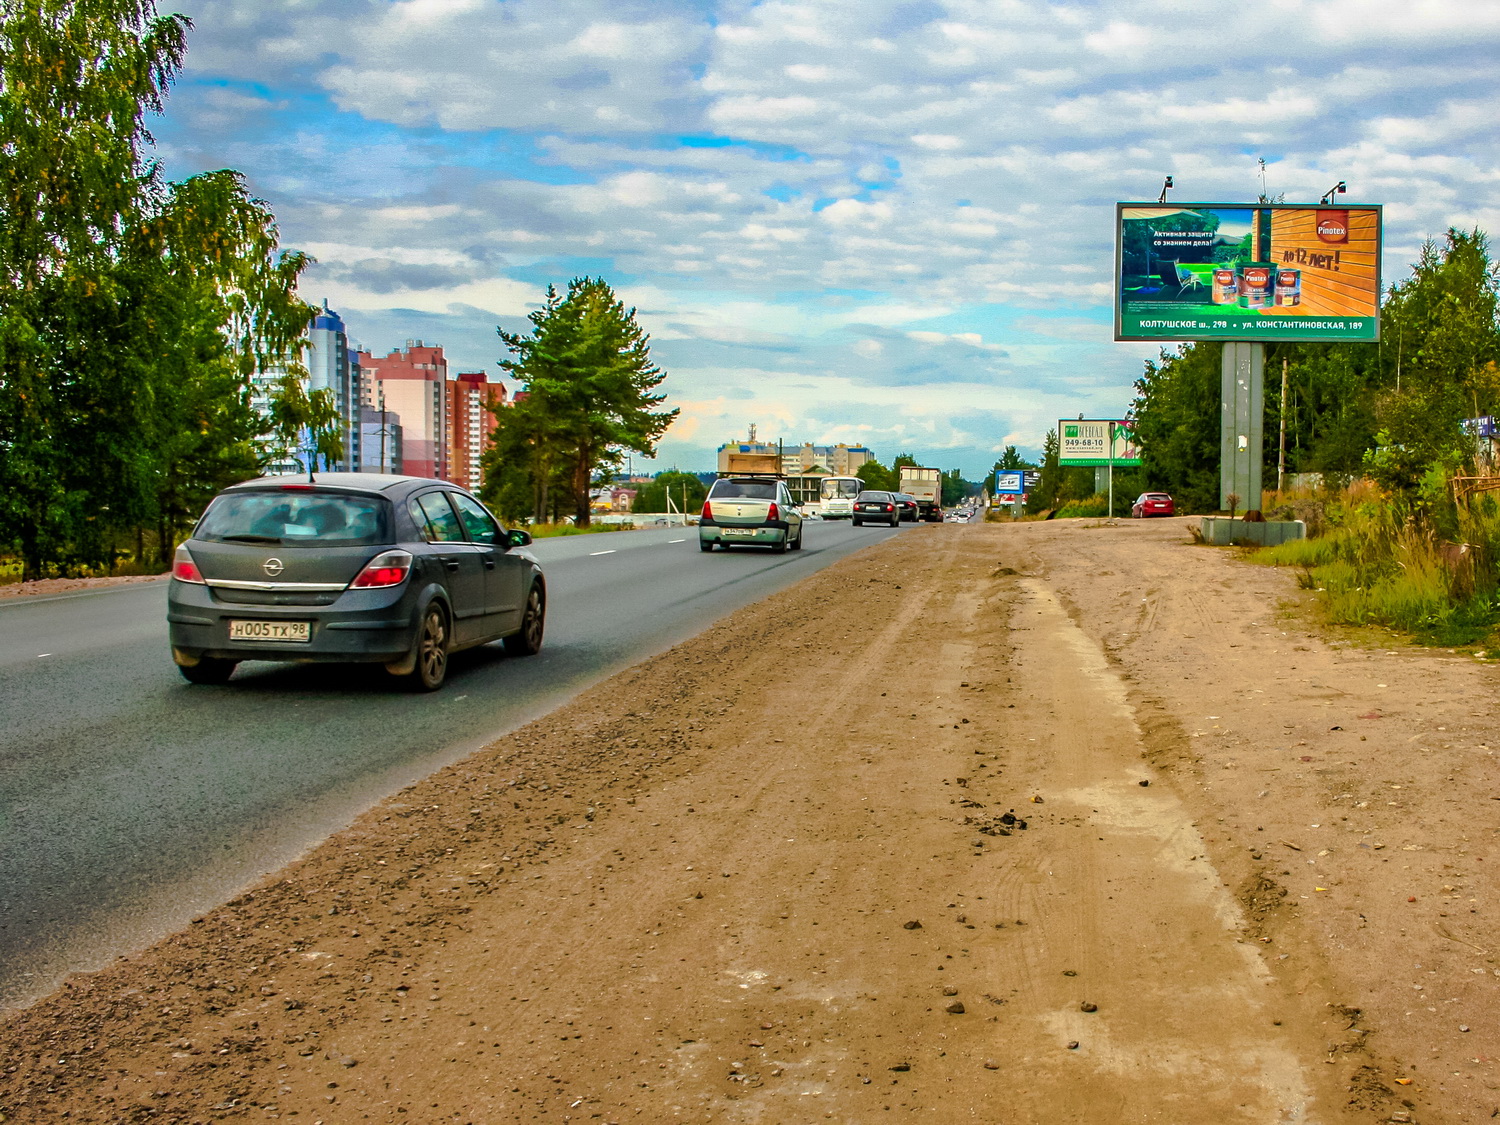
(450, 563)
(489, 563)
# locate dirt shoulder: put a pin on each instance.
(1036, 823)
(50, 586)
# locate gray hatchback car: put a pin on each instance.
(352, 567)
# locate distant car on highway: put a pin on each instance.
(1152, 504)
(873, 506)
(750, 511)
(351, 567)
(910, 509)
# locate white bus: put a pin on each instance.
(837, 497)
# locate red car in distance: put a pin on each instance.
(1152, 504)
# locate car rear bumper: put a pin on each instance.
(770, 534)
(374, 626)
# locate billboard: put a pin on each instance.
(1246, 271)
(1010, 482)
(1094, 441)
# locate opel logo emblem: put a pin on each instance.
(272, 567)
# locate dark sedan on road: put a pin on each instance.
(910, 510)
(351, 567)
(872, 506)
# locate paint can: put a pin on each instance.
(1255, 287)
(1226, 286)
(1288, 288)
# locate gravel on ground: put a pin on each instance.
(1055, 822)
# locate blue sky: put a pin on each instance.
(879, 222)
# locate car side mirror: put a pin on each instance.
(515, 537)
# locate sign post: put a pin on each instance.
(1102, 443)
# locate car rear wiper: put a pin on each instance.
(250, 538)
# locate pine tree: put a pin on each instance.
(590, 388)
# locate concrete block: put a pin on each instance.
(1222, 531)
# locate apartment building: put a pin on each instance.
(472, 403)
(412, 383)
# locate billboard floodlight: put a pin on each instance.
(1337, 189)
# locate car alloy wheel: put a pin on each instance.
(432, 651)
(528, 642)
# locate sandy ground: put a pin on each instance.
(72, 585)
(1041, 823)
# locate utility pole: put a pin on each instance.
(1281, 457)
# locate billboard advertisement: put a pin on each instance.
(1245, 271)
(1010, 482)
(1094, 441)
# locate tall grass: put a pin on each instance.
(552, 530)
(1429, 572)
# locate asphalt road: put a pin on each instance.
(131, 801)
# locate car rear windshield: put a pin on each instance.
(743, 490)
(874, 497)
(295, 518)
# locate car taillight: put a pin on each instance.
(708, 512)
(388, 569)
(774, 513)
(890, 507)
(184, 569)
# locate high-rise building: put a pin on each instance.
(472, 402)
(329, 367)
(412, 382)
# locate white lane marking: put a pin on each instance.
(593, 553)
(42, 654)
(676, 540)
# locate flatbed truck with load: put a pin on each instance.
(926, 486)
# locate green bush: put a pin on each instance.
(1404, 568)
(1095, 505)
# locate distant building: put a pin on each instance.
(472, 403)
(803, 460)
(412, 382)
(380, 441)
(329, 367)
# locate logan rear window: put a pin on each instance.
(743, 490)
(293, 518)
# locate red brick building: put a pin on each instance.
(472, 403)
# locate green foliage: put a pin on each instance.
(1392, 411)
(1009, 460)
(1095, 505)
(590, 393)
(687, 491)
(132, 311)
(1378, 565)
(955, 488)
(1176, 415)
(877, 477)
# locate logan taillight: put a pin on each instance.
(184, 569)
(708, 512)
(890, 507)
(774, 513)
(387, 569)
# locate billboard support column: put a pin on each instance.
(1242, 390)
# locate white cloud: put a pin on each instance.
(941, 171)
